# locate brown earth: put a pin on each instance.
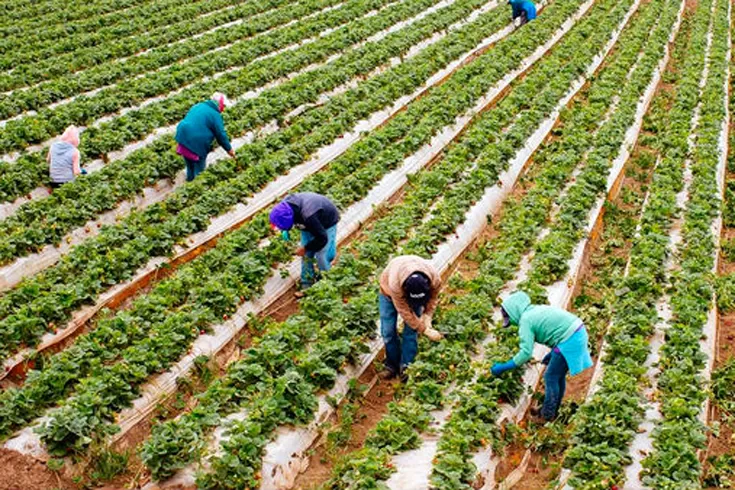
(19, 472)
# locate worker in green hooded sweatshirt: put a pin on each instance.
(555, 328)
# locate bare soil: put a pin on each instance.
(372, 408)
(19, 472)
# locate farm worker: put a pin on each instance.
(524, 10)
(64, 158)
(316, 216)
(196, 132)
(409, 286)
(556, 328)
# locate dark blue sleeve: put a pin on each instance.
(314, 226)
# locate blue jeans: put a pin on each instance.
(323, 257)
(398, 354)
(194, 168)
(555, 378)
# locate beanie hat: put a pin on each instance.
(282, 216)
(417, 288)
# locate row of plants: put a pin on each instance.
(30, 170)
(18, 134)
(103, 74)
(48, 11)
(243, 452)
(607, 423)
(38, 303)
(366, 150)
(45, 38)
(350, 188)
(461, 437)
(680, 434)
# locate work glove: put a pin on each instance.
(433, 335)
(501, 367)
(84, 171)
(547, 358)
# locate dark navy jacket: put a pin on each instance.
(313, 213)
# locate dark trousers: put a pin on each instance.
(555, 378)
(194, 168)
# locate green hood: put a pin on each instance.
(516, 305)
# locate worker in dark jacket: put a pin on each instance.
(197, 131)
(316, 216)
(555, 327)
(524, 11)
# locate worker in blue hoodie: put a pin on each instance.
(524, 10)
(197, 131)
(554, 327)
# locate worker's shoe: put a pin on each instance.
(537, 417)
(403, 375)
(388, 372)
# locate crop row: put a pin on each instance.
(102, 75)
(599, 451)
(165, 451)
(48, 40)
(67, 65)
(154, 232)
(412, 119)
(681, 432)
(30, 170)
(18, 134)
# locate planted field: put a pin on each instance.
(150, 336)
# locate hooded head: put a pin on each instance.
(282, 216)
(516, 304)
(221, 100)
(71, 136)
(417, 290)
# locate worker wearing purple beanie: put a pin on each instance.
(316, 216)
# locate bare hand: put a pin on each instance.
(301, 251)
(232, 153)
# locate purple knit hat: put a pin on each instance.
(282, 216)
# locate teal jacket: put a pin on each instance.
(544, 324)
(201, 126)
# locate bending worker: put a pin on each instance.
(409, 286)
(523, 10)
(198, 130)
(64, 158)
(316, 216)
(556, 328)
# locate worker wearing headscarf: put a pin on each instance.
(554, 327)
(64, 158)
(316, 216)
(195, 134)
(523, 10)
(409, 287)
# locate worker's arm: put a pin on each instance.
(76, 168)
(221, 135)
(314, 226)
(408, 314)
(527, 341)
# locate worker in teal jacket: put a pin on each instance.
(555, 328)
(197, 131)
(525, 10)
